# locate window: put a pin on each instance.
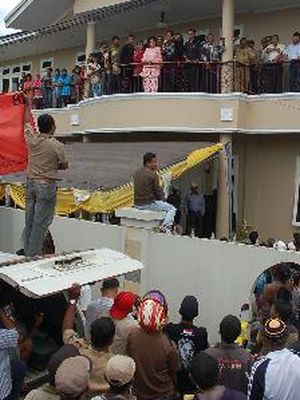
(15, 84)
(296, 214)
(26, 67)
(16, 70)
(80, 59)
(10, 76)
(5, 85)
(6, 71)
(45, 64)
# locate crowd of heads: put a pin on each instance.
(278, 244)
(120, 347)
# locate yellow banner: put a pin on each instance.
(69, 201)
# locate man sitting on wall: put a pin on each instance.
(148, 194)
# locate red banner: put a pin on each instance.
(13, 148)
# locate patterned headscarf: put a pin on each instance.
(153, 312)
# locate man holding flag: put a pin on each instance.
(46, 156)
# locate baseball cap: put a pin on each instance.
(72, 377)
(275, 330)
(120, 370)
(123, 305)
(152, 315)
(66, 351)
(110, 283)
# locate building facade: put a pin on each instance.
(263, 181)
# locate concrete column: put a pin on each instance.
(223, 201)
(227, 33)
(90, 38)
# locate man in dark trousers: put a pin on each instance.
(195, 210)
(46, 158)
(191, 53)
(126, 60)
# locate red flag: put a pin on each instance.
(13, 148)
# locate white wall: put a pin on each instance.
(219, 274)
(68, 234)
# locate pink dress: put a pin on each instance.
(151, 72)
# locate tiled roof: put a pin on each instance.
(78, 19)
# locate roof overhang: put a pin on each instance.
(33, 14)
(140, 15)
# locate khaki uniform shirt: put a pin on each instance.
(46, 154)
(99, 359)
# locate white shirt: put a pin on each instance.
(292, 51)
(276, 377)
(271, 52)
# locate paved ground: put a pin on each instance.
(106, 165)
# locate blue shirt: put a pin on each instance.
(57, 81)
(66, 81)
(292, 51)
(8, 340)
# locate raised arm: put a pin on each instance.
(69, 317)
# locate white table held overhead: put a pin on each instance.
(43, 277)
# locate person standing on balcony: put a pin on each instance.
(195, 210)
(211, 52)
(28, 89)
(242, 67)
(66, 91)
(254, 67)
(38, 95)
(137, 69)
(169, 54)
(105, 51)
(57, 88)
(126, 60)
(46, 157)
(179, 69)
(292, 54)
(93, 73)
(272, 57)
(48, 88)
(148, 195)
(115, 75)
(152, 60)
(192, 53)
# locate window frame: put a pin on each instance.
(42, 61)
(80, 63)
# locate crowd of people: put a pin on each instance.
(130, 349)
(168, 64)
(293, 245)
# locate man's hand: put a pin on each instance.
(74, 291)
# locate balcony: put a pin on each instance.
(190, 106)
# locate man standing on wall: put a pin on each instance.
(195, 210)
(148, 195)
(46, 157)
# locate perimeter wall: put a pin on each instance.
(220, 274)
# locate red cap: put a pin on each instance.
(123, 305)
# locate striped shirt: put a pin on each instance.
(276, 377)
(8, 340)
